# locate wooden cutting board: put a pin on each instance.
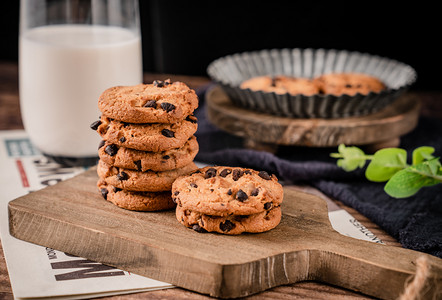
(72, 217)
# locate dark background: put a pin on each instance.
(183, 37)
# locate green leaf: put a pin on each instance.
(351, 158)
(429, 168)
(390, 165)
(435, 166)
(422, 153)
(407, 182)
(385, 163)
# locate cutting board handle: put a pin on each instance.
(382, 271)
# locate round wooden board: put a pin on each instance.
(378, 130)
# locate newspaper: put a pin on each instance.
(342, 221)
(40, 272)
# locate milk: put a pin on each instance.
(63, 71)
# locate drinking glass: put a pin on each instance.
(70, 51)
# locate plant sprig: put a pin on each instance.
(390, 165)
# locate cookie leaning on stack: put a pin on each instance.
(148, 141)
(228, 200)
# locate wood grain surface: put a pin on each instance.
(304, 246)
(10, 119)
(382, 128)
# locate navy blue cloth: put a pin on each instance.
(416, 222)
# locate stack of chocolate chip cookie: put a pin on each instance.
(228, 200)
(148, 141)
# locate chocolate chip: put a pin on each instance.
(104, 193)
(254, 192)
(111, 149)
(116, 190)
(168, 133)
(176, 193)
(240, 218)
(248, 172)
(198, 228)
(229, 192)
(137, 164)
(166, 157)
(211, 172)
(241, 196)
(194, 185)
(101, 144)
(226, 226)
(123, 139)
(192, 119)
(264, 175)
(122, 176)
(237, 173)
(225, 172)
(268, 205)
(167, 106)
(151, 103)
(95, 125)
(158, 83)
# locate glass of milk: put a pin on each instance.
(70, 51)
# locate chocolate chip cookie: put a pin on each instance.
(154, 137)
(233, 224)
(281, 85)
(127, 158)
(159, 102)
(149, 181)
(348, 84)
(212, 197)
(221, 191)
(140, 201)
(331, 83)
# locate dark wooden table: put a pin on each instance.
(10, 119)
